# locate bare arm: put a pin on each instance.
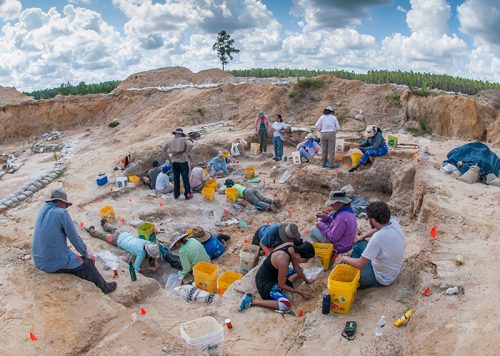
(365, 235)
(283, 262)
(358, 263)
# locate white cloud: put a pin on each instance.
(429, 16)
(401, 9)
(76, 2)
(9, 9)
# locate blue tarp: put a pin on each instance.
(475, 153)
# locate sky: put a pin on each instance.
(45, 43)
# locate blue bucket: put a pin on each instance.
(101, 179)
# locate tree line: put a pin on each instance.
(81, 88)
(418, 82)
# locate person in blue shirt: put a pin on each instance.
(138, 248)
(50, 250)
(270, 236)
(218, 166)
(212, 244)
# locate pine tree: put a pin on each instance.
(224, 48)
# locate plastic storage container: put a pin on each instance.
(107, 212)
(296, 157)
(121, 182)
(355, 157)
(211, 183)
(342, 286)
(254, 148)
(208, 193)
(226, 280)
(231, 195)
(249, 172)
(101, 179)
(205, 276)
(147, 231)
(392, 141)
(204, 334)
(340, 145)
(324, 252)
(249, 255)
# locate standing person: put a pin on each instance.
(308, 148)
(261, 128)
(50, 250)
(138, 248)
(339, 229)
(179, 147)
(380, 260)
(278, 128)
(328, 126)
(374, 146)
(274, 276)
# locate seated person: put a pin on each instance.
(374, 145)
(163, 185)
(139, 249)
(309, 148)
(339, 228)
(218, 166)
(191, 251)
(380, 260)
(50, 249)
(270, 236)
(150, 178)
(254, 197)
(197, 178)
(274, 276)
(212, 244)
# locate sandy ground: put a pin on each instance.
(70, 316)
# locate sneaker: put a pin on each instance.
(189, 196)
(273, 208)
(102, 222)
(352, 169)
(110, 287)
(245, 302)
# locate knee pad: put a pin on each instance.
(284, 304)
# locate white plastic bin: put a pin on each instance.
(204, 334)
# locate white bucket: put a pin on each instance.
(296, 157)
(121, 182)
(204, 334)
(339, 146)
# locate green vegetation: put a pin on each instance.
(68, 89)
(395, 99)
(224, 47)
(423, 128)
(303, 85)
(414, 80)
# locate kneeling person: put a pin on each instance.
(380, 260)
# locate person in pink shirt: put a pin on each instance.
(261, 128)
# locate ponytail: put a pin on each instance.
(304, 249)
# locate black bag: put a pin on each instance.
(174, 260)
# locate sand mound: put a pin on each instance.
(9, 95)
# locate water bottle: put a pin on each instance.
(379, 330)
(131, 269)
(325, 306)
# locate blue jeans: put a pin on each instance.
(367, 278)
(278, 147)
(382, 150)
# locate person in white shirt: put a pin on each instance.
(278, 128)
(328, 126)
(198, 178)
(163, 185)
(380, 260)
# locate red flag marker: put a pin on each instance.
(123, 221)
(433, 232)
(81, 225)
(411, 217)
(33, 337)
(226, 212)
(110, 190)
(143, 311)
(337, 171)
(245, 241)
(328, 209)
(110, 239)
(289, 213)
(307, 232)
(161, 205)
(301, 313)
(100, 200)
(426, 292)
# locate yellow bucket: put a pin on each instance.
(107, 212)
(134, 180)
(231, 195)
(355, 157)
(342, 286)
(324, 252)
(211, 183)
(208, 193)
(225, 153)
(205, 276)
(249, 172)
(226, 280)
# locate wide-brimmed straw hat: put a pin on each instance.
(337, 196)
(200, 234)
(152, 250)
(174, 238)
(59, 194)
(179, 131)
(288, 232)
